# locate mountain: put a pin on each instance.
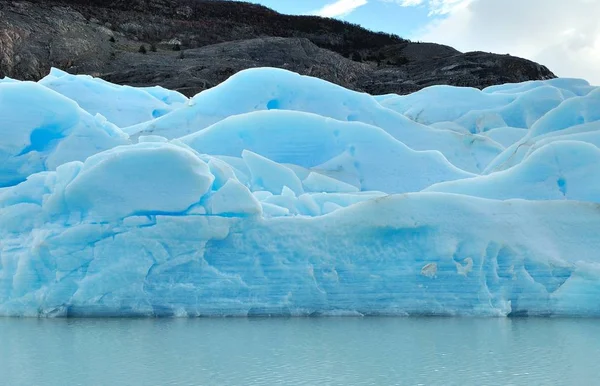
(192, 45)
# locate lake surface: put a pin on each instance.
(302, 351)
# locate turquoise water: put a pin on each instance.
(309, 351)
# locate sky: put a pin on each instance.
(564, 35)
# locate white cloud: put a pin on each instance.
(563, 35)
(436, 7)
(407, 3)
(443, 7)
(340, 8)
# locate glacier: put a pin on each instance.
(275, 194)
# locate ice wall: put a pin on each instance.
(276, 194)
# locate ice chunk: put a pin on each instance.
(222, 171)
(233, 199)
(147, 178)
(269, 175)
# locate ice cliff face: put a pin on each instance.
(276, 194)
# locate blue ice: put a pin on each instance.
(279, 194)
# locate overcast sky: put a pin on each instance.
(561, 34)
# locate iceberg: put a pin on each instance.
(275, 194)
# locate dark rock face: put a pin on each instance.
(205, 67)
(192, 45)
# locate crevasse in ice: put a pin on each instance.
(277, 194)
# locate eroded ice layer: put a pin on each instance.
(392, 255)
(288, 195)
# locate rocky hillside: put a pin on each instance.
(191, 45)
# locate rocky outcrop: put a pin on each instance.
(201, 68)
(194, 45)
